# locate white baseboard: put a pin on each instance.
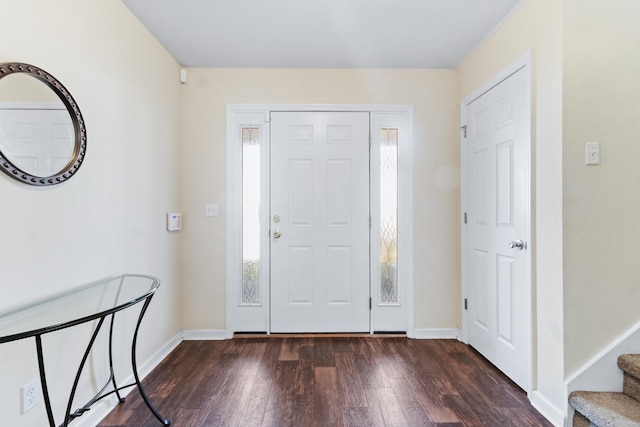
(102, 409)
(203, 334)
(550, 411)
(434, 333)
(159, 356)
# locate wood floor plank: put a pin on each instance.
(322, 353)
(255, 408)
(327, 401)
(289, 349)
(411, 407)
(305, 374)
(351, 388)
(187, 418)
(384, 408)
(369, 368)
(280, 405)
(326, 378)
(357, 417)
(350, 380)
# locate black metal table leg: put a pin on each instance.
(43, 381)
(69, 416)
(113, 375)
(162, 419)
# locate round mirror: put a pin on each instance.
(42, 134)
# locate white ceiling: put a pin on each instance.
(321, 33)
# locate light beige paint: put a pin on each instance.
(25, 88)
(156, 146)
(601, 203)
(110, 217)
(436, 160)
(537, 26)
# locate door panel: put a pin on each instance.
(40, 141)
(497, 158)
(320, 209)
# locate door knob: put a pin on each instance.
(276, 234)
(516, 244)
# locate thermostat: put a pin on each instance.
(174, 221)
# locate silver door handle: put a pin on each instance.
(516, 244)
(276, 234)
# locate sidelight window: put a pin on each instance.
(389, 216)
(251, 280)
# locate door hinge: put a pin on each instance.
(369, 222)
(464, 130)
(465, 304)
(370, 304)
(369, 141)
(465, 217)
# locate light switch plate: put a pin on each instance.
(211, 209)
(592, 153)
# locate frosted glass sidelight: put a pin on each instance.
(250, 291)
(389, 216)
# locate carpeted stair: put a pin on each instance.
(611, 409)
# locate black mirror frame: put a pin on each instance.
(80, 132)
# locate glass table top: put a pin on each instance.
(76, 306)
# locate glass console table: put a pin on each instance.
(95, 301)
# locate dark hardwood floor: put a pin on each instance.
(327, 381)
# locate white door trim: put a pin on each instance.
(239, 115)
(525, 63)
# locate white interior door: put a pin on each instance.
(497, 231)
(319, 222)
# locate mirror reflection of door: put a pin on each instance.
(36, 138)
(320, 222)
(36, 130)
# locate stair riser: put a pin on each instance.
(631, 386)
(580, 420)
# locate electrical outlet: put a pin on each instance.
(30, 396)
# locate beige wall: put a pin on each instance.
(110, 217)
(156, 146)
(433, 94)
(537, 27)
(601, 203)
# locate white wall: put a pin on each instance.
(537, 26)
(436, 161)
(110, 217)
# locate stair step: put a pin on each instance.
(630, 363)
(607, 409)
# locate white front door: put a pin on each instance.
(496, 200)
(319, 222)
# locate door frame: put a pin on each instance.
(255, 317)
(523, 63)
